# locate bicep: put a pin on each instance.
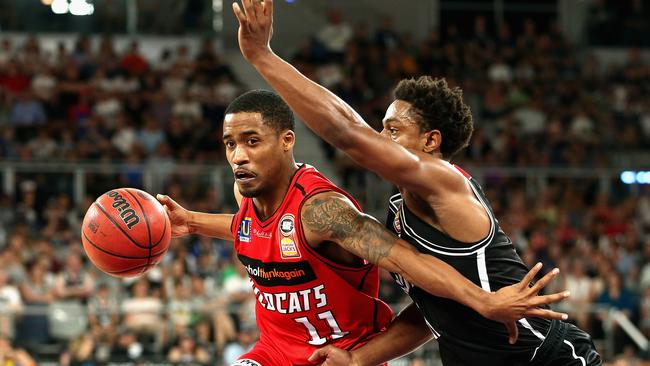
(412, 170)
(332, 217)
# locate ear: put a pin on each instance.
(432, 141)
(288, 140)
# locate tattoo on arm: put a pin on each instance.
(354, 231)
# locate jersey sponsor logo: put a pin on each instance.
(246, 362)
(278, 273)
(287, 238)
(261, 234)
(245, 230)
(397, 224)
(293, 301)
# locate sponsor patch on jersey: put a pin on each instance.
(261, 234)
(397, 224)
(278, 273)
(288, 248)
(245, 230)
(287, 238)
(246, 362)
(287, 225)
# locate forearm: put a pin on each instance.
(435, 277)
(322, 111)
(332, 218)
(406, 333)
(212, 225)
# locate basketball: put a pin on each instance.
(125, 232)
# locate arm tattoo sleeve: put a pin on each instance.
(354, 231)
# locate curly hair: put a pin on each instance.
(439, 108)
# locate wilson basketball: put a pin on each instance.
(126, 232)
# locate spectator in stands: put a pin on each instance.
(27, 111)
(582, 293)
(11, 305)
(335, 34)
(143, 313)
(37, 292)
(187, 351)
(245, 340)
(180, 309)
(74, 283)
(81, 351)
(103, 313)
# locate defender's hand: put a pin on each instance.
(332, 356)
(179, 217)
(255, 28)
(520, 300)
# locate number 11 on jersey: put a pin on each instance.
(316, 339)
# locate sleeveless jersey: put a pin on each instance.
(304, 300)
(464, 336)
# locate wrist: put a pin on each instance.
(354, 359)
(259, 58)
(484, 303)
(191, 222)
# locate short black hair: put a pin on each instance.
(440, 108)
(275, 112)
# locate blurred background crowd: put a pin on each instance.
(538, 100)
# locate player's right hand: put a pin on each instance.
(179, 217)
(332, 356)
(512, 303)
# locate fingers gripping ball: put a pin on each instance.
(126, 232)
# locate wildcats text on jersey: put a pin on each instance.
(278, 273)
(293, 301)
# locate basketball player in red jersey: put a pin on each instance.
(311, 253)
(440, 211)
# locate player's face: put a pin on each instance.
(254, 151)
(400, 126)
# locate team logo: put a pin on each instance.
(397, 224)
(287, 237)
(245, 230)
(287, 225)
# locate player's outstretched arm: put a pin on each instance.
(185, 222)
(406, 333)
(329, 116)
(330, 216)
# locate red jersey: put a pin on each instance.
(304, 300)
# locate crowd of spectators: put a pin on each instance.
(537, 100)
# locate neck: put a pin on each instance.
(267, 204)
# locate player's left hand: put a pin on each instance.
(521, 300)
(332, 356)
(255, 27)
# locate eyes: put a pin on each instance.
(251, 141)
(392, 132)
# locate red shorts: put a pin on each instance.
(262, 355)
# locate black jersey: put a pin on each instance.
(464, 336)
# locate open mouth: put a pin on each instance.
(243, 175)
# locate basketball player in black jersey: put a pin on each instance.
(440, 210)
